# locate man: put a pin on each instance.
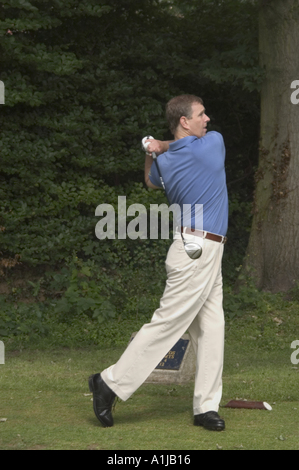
(193, 170)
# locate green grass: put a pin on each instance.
(47, 403)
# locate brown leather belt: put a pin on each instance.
(207, 235)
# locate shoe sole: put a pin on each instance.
(91, 388)
(212, 428)
(218, 428)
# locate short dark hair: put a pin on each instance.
(178, 107)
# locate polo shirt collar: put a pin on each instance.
(181, 143)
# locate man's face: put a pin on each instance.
(199, 121)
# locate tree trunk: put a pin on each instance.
(273, 251)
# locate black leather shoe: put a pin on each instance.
(103, 399)
(210, 420)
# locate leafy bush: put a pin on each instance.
(81, 92)
(22, 320)
(247, 298)
(84, 295)
(81, 95)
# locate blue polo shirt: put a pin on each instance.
(193, 171)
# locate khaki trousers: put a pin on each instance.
(192, 301)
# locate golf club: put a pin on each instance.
(193, 250)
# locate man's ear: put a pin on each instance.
(184, 122)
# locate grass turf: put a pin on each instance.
(47, 403)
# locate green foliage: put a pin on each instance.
(73, 120)
(104, 294)
(238, 302)
(82, 293)
(22, 321)
(86, 304)
(85, 81)
(81, 92)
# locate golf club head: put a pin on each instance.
(193, 250)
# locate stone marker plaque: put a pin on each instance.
(178, 366)
(174, 358)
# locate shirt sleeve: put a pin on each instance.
(219, 136)
(154, 176)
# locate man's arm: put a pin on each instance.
(158, 147)
(148, 164)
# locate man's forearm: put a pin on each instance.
(148, 164)
(165, 145)
(158, 147)
(147, 168)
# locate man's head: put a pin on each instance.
(186, 116)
